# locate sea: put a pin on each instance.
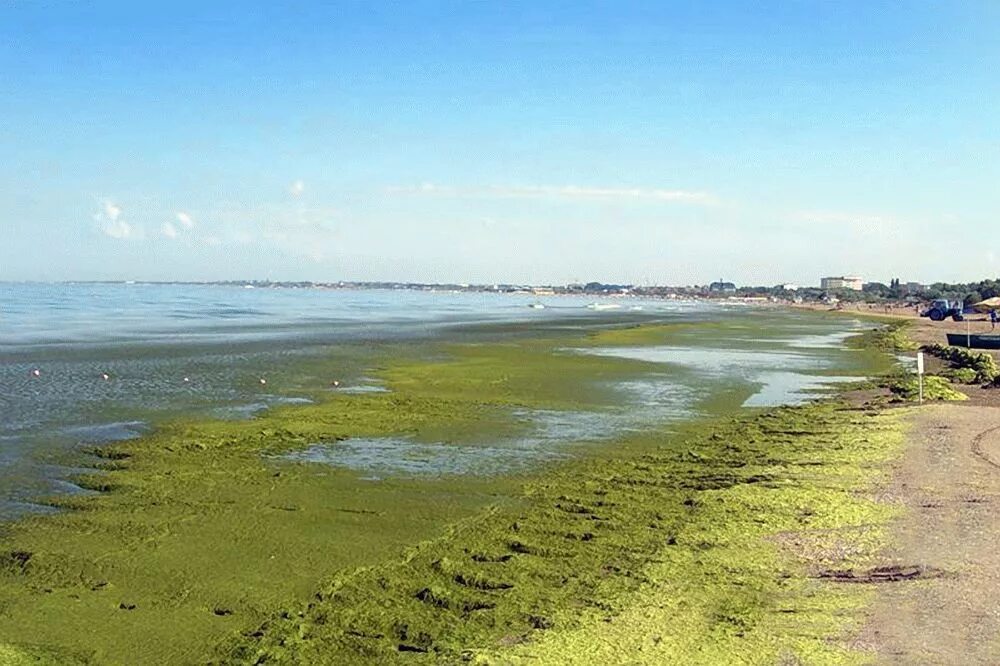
(84, 364)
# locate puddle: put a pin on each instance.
(387, 455)
(107, 432)
(791, 388)
(252, 409)
(549, 434)
(715, 361)
(662, 393)
(361, 389)
(554, 427)
(239, 412)
(780, 377)
(826, 341)
(12, 510)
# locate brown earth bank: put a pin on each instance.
(948, 485)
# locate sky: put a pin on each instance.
(534, 142)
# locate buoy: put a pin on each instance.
(187, 379)
(105, 376)
(263, 381)
(335, 383)
(36, 373)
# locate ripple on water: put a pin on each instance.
(361, 389)
(716, 361)
(101, 433)
(12, 510)
(389, 456)
(821, 341)
(252, 409)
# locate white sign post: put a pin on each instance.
(920, 375)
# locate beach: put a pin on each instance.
(498, 334)
(557, 493)
(946, 485)
(943, 488)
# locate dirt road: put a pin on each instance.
(949, 484)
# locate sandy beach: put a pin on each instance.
(947, 485)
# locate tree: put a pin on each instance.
(876, 290)
(973, 297)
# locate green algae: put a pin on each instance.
(197, 530)
(904, 385)
(934, 388)
(891, 337)
(966, 365)
(733, 589)
(680, 528)
(196, 544)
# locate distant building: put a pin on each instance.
(854, 282)
(721, 287)
(829, 283)
(790, 287)
(846, 282)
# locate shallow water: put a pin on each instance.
(791, 370)
(171, 351)
(394, 456)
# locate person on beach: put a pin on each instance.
(993, 319)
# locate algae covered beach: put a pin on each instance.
(615, 488)
(498, 333)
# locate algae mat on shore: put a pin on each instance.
(201, 545)
(652, 555)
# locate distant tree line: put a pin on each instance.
(972, 292)
(969, 293)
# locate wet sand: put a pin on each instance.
(948, 483)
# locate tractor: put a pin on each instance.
(941, 309)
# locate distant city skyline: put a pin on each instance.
(534, 142)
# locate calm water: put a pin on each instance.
(88, 363)
(80, 315)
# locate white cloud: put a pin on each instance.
(185, 219)
(110, 222)
(120, 230)
(562, 192)
(168, 230)
(111, 211)
(297, 188)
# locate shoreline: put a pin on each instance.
(186, 469)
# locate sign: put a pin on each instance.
(920, 376)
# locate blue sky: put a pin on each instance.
(762, 142)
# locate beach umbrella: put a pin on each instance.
(987, 305)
